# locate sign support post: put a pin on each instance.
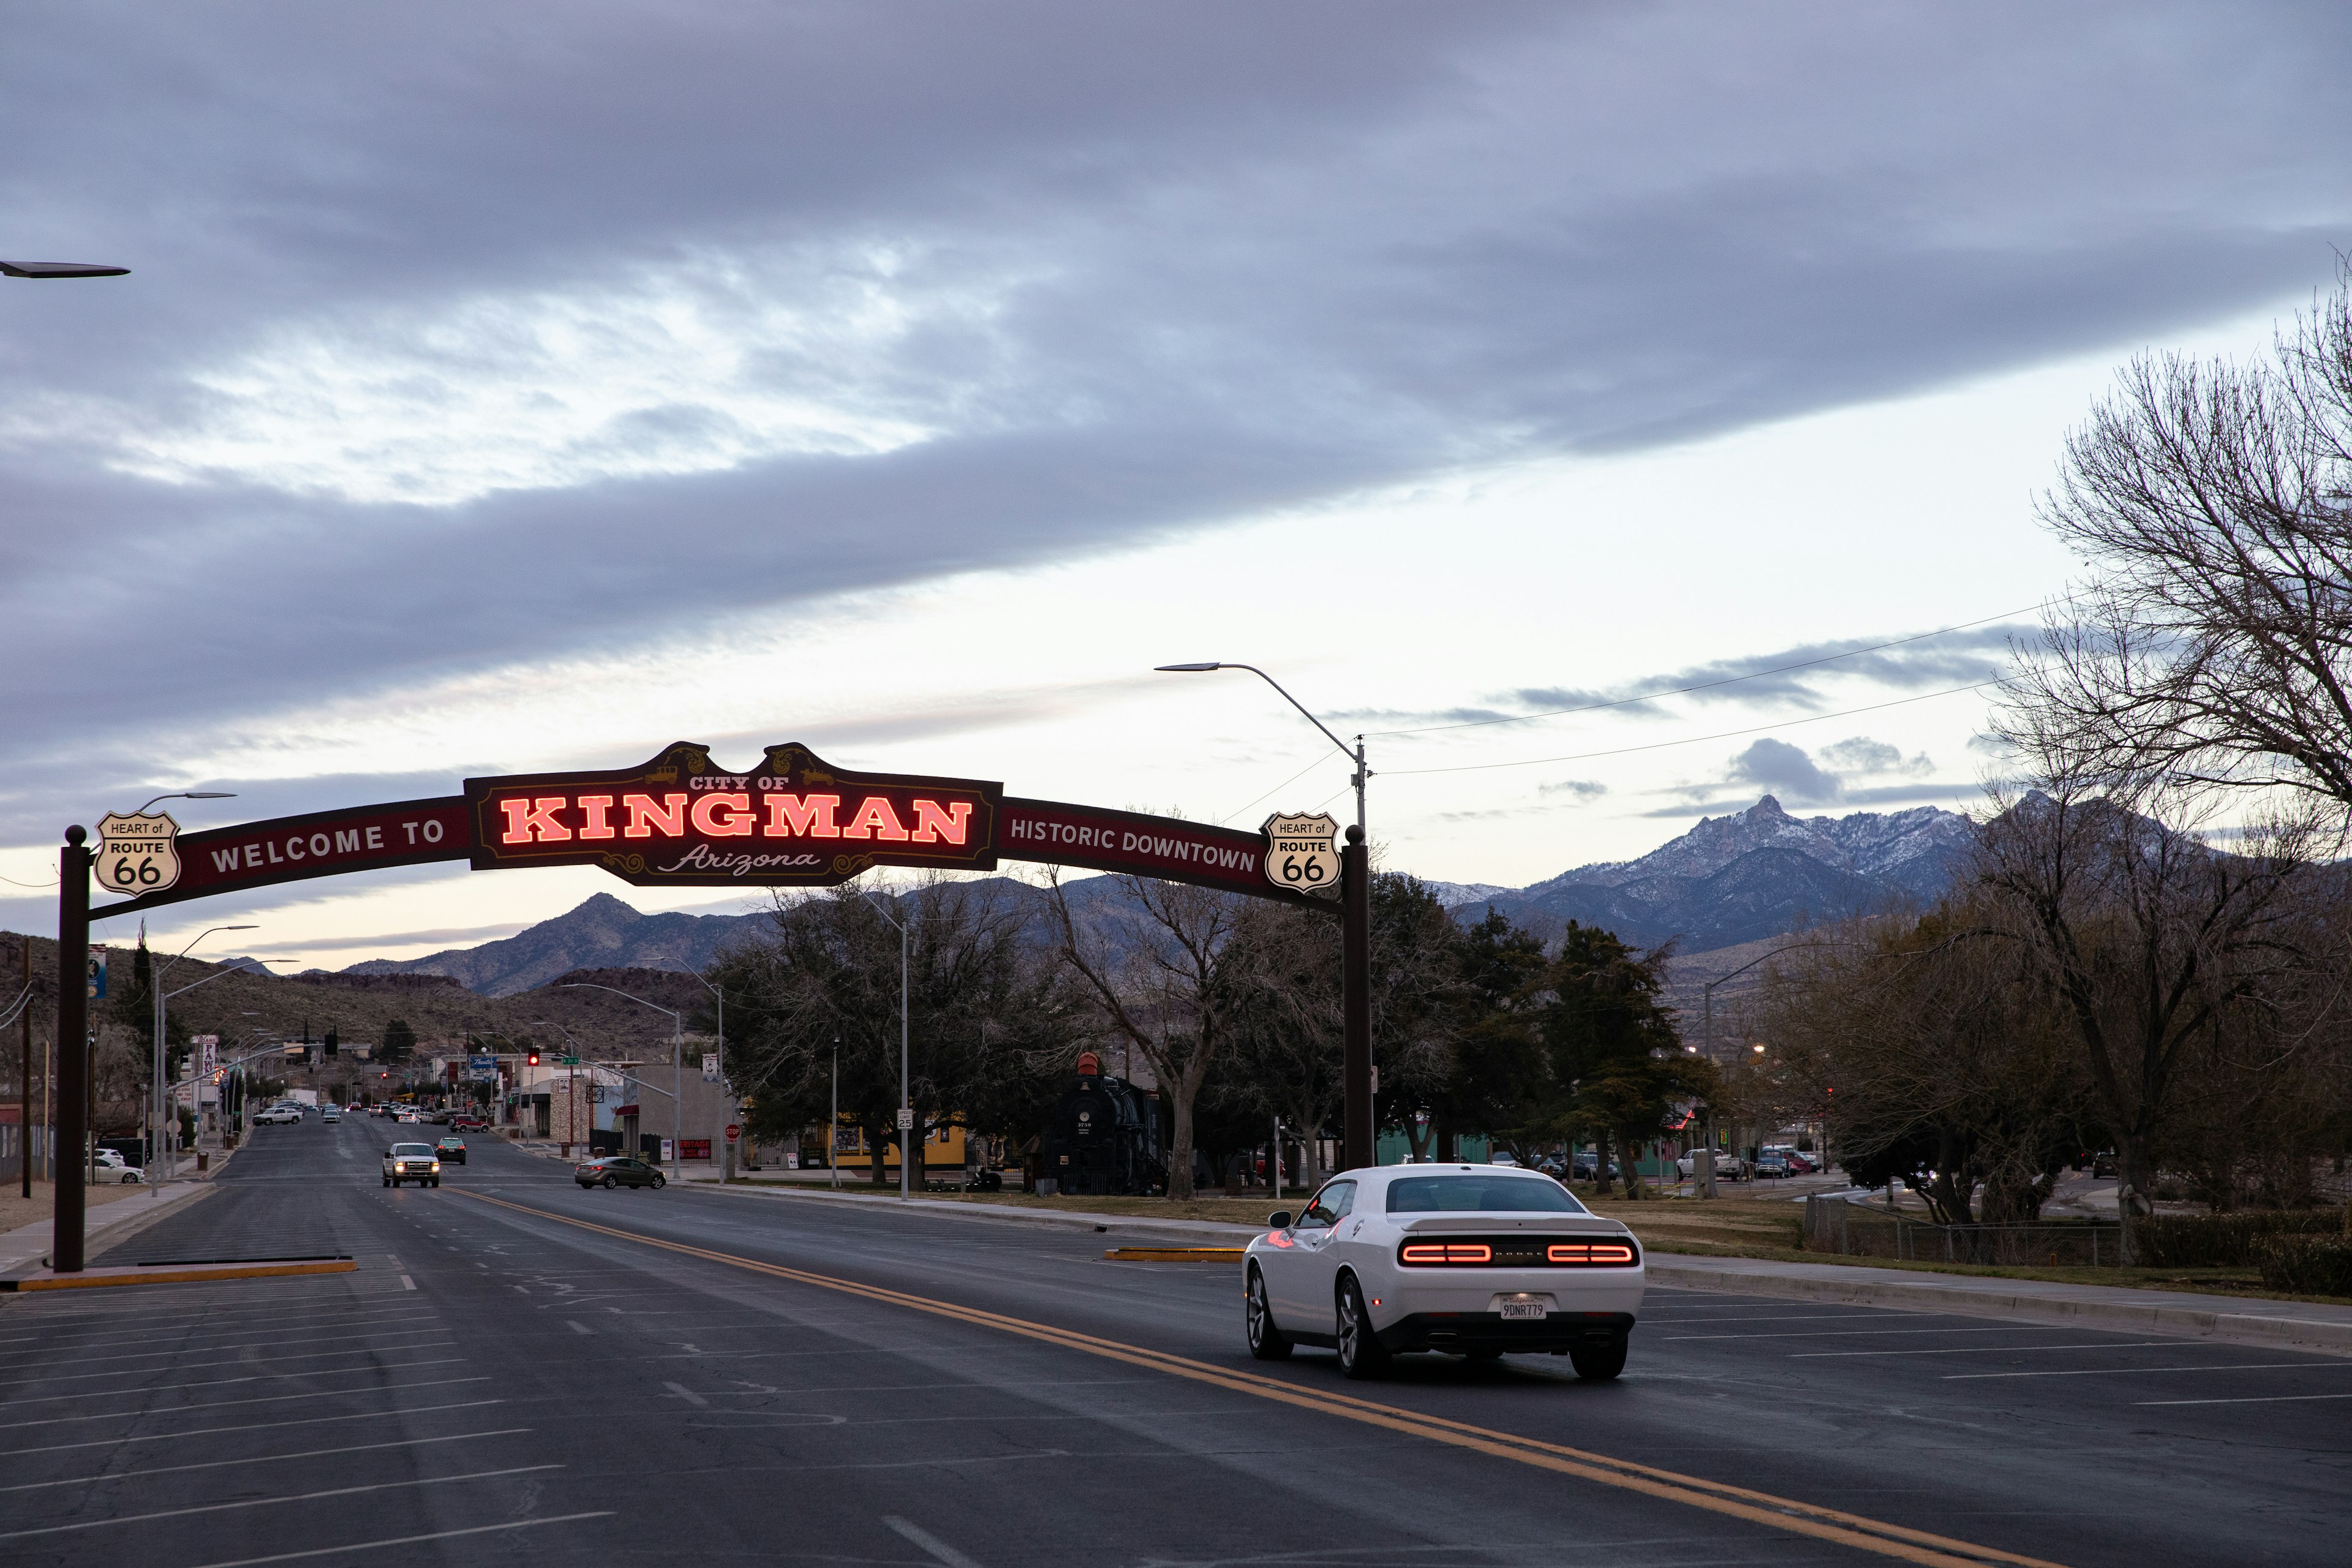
(73, 1050)
(1356, 987)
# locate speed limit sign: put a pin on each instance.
(136, 854)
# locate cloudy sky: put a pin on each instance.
(500, 389)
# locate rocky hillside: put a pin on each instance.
(601, 933)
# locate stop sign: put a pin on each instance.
(734, 1130)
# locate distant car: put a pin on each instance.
(280, 1116)
(617, 1171)
(1771, 1167)
(1478, 1260)
(411, 1163)
(1803, 1164)
(406, 1119)
(451, 1149)
(468, 1123)
(1500, 1158)
(331, 1114)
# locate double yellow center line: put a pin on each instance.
(1871, 1535)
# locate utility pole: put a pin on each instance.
(25, 1082)
(833, 1127)
(73, 1048)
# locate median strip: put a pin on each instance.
(1175, 1254)
(1895, 1541)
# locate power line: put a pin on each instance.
(1702, 686)
(1694, 740)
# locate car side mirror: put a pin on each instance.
(1279, 1219)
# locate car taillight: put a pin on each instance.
(1447, 1252)
(1588, 1252)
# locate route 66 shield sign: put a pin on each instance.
(1302, 852)
(136, 854)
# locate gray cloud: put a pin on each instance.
(1580, 789)
(1786, 771)
(1137, 274)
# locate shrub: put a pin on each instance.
(2307, 1265)
(2223, 1240)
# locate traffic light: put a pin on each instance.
(333, 1039)
(531, 1059)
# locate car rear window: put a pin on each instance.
(400, 1149)
(1477, 1192)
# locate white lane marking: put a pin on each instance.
(939, 1550)
(201, 1366)
(1998, 1350)
(408, 1540)
(210, 1431)
(248, 1345)
(407, 1283)
(2259, 1399)
(227, 1381)
(2134, 1370)
(226, 1403)
(578, 1327)
(1852, 1333)
(688, 1395)
(271, 1501)
(259, 1460)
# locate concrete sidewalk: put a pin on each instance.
(2243, 1321)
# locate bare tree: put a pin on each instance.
(2213, 502)
(1153, 963)
(2153, 941)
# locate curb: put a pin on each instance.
(2187, 1322)
(110, 1230)
(177, 1274)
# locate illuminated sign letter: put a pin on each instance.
(735, 822)
(645, 818)
(593, 807)
(874, 819)
(808, 815)
(533, 821)
(931, 823)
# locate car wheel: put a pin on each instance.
(1265, 1342)
(1602, 1362)
(437, 1180)
(1361, 1355)
(612, 1182)
(388, 1181)
(660, 1181)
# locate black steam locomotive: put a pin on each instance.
(1103, 1138)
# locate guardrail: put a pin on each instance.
(1851, 1228)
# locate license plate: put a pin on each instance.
(1522, 1310)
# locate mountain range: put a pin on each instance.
(1729, 880)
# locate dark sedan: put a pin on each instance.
(617, 1171)
(451, 1149)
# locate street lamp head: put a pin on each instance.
(61, 269)
(210, 795)
(1187, 668)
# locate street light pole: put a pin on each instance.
(155, 1097)
(906, 1150)
(1357, 1148)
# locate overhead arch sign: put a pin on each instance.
(683, 820)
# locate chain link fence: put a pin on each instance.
(1853, 1229)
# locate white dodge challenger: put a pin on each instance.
(1474, 1259)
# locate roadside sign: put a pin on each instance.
(136, 854)
(567, 1061)
(906, 1119)
(1302, 852)
(710, 1066)
(482, 1070)
(97, 972)
(734, 1130)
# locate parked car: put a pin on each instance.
(280, 1116)
(1500, 1158)
(1478, 1261)
(617, 1171)
(468, 1122)
(411, 1163)
(1728, 1166)
(451, 1149)
(1803, 1164)
(1771, 1167)
(113, 1167)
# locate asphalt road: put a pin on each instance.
(709, 1378)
